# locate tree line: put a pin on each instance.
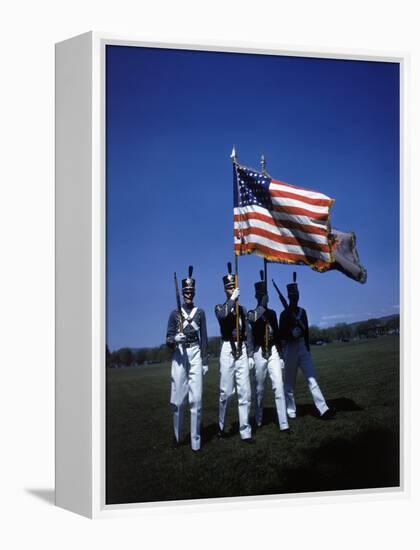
(363, 329)
(127, 357)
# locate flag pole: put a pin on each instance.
(263, 163)
(234, 162)
(264, 172)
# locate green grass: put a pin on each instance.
(358, 449)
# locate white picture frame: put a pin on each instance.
(80, 271)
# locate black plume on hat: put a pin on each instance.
(189, 283)
(292, 288)
(260, 286)
(229, 279)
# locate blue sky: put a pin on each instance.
(172, 118)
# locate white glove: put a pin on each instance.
(180, 338)
(205, 369)
(251, 363)
(235, 294)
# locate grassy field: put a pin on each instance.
(358, 449)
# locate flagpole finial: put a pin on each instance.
(233, 154)
(263, 164)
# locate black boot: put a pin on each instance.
(329, 414)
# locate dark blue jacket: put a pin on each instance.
(192, 335)
(260, 318)
(226, 315)
(287, 322)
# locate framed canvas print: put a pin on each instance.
(228, 256)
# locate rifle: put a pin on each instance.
(178, 303)
(263, 276)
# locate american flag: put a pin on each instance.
(280, 222)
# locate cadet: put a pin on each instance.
(187, 336)
(267, 349)
(294, 332)
(234, 366)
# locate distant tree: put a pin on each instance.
(367, 328)
(125, 356)
(342, 331)
(393, 323)
(114, 358)
(164, 353)
(362, 329)
(107, 356)
(213, 347)
(140, 356)
(150, 354)
(315, 334)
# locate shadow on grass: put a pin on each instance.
(369, 460)
(308, 409)
(209, 432)
(343, 404)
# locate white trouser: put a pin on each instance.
(235, 373)
(273, 365)
(187, 379)
(296, 355)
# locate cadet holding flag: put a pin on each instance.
(187, 337)
(235, 357)
(267, 349)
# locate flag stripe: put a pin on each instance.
(281, 239)
(281, 219)
(300, 211)
(314, 209)
(281, 231)
(280, 185)
(308, 200)
(273, 254)
(294, 249)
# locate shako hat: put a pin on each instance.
(260, 286)
(229, 279)
(292, 288)
(189, 283)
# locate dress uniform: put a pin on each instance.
(294, 331)
(187, 337)
(267, 348)
(234, 367)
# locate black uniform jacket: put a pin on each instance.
(226, 315)
(287, 322)
(264, 327)
(192, 336)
